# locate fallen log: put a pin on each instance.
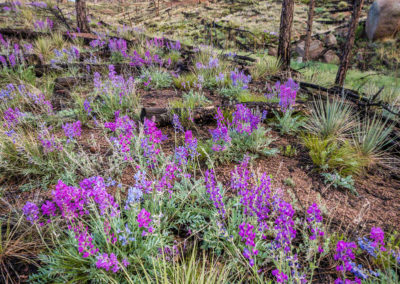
(85, 67)
(163, 115)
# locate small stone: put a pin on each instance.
(272, 51)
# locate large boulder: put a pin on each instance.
(383, 19)
(316, 49)
(330, 40)
(331, 57)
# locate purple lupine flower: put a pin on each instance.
(280, 276)
(248, 236)
(240, 79)
(177, 124)
(3, 61)
(107, 262)
(314, 220)
(49, 209)
(214, 192)
(220, 135)
(344, 253)
(87, 106)
(48, 140)
(285, 92)
(31, 211)
(243, 120)
(191, 144)
(12, 59)
(144, 221)
(284, 224)
(72, 130)
(85, 240)
(12, 117)
(378, 236)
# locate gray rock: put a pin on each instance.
(272, 51)
(331, 57)
(330, 40)
(383, 20)
(316, 49)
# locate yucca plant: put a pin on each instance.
(371, 137)
(330, 119)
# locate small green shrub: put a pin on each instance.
(337, 180)
(287, 123)
(155, 78)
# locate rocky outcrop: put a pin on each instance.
(383, 20)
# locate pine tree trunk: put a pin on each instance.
(81, 18)
(346, 55)
(285, 32)
(309, 30)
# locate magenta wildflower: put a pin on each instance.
(378, 236)
(280, 276)
(108, 262)
(144, 221)
(344, 253)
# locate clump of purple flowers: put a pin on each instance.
(280, 276)
(116, 84)
(118, 45)
(48, 140)
(214, 192)
(72, 130)
(66, 55)
(239, 79)
(243, 121)
(163, 43)
(220, 135)
(376, 242)
(44, 26)
(12, 117)
(144, 221)
(286, 93)
(344, 254)
(248, 236)
(31, 212)
(213, 63)
(107, 262)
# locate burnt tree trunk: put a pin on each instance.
(285, 32)
(346, 55)
(309, 30)
(81, 17)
